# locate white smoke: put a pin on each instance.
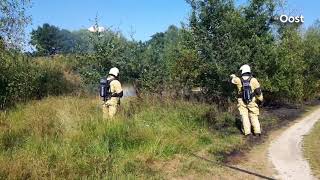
(96, 29)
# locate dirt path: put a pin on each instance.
(258, 162)
(285, 151)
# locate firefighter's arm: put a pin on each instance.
(257, 89)
(116, 89)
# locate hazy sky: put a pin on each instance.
(142, 17)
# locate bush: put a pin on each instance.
(23, 78)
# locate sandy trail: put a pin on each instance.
(285, 152)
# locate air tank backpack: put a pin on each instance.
(104, 88)
(247, 94)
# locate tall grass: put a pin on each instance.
(311, 148)
(66, 137)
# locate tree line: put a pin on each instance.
(218, 38)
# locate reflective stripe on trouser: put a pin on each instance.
(249, 116)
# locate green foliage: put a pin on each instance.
(288, 80)
(311, 46)
(50, 40)
(109, 49)
(219, 38)
(22, 79)
(165, 63)
(155, 72)
(13, 19)
(82, 41)
(227, 37)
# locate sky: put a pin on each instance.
(142, 18)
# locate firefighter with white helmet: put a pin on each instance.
(111, 92)
(249, 94)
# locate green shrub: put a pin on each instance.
(23, 78)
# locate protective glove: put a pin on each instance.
(232, 76)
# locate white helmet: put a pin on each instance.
(114, 71)
(245, 69)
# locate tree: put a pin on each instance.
(109, 49)
(155, 72)
(161, 55)
(215, 25)
(46, 39)
(13, 20)
(312, 56)
(257, 37)
(50, 40)
(67, 42)
(227, 37)
(83, 43)
(287, 75)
